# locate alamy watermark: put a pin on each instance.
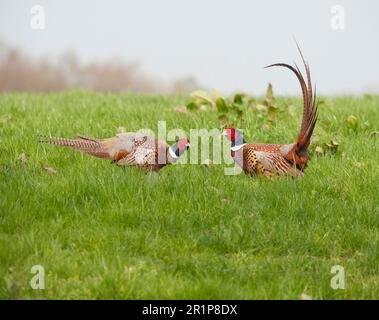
(338, 280)
(206, 144)
(38, 280)
(337, 21)
(37, 21)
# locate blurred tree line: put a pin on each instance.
(21, 72)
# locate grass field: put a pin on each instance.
(188, 232)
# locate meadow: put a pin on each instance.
(188, 232)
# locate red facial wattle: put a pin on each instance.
(231, 134)
(182, 143)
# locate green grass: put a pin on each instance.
(101, 231)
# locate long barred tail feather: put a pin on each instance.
(91, 146)
(310, 104)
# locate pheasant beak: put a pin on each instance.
(224, 133)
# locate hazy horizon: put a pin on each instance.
(223, 44)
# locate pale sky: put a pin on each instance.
(223, 43)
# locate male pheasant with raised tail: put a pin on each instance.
(129, 148)
(279, 159)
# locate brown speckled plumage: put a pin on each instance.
(251, 164)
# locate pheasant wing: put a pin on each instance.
(142, 152)
(276, 163)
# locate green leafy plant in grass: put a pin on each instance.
(201, 101)
(231, 110)
(267, 107)
(322, 148)
(354, 124)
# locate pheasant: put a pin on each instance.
(129, 149)
(279, 159)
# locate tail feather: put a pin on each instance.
(309, 118)
(91, 146)
(87, 138)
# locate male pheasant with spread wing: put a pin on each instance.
(129, 148)
(279, 159)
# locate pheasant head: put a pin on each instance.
(177, 149)
(235, 136)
